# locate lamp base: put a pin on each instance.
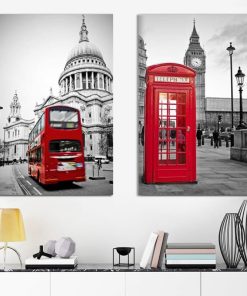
(4, 248)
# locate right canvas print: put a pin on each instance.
(192, 107)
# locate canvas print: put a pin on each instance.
(192, 106)
(56, 117)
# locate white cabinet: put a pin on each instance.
(163, 283)
(224, 283)
(87, 284)
(25, 283)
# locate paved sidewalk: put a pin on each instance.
(216, 175)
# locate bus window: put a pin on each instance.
(63, 118)
(38, 155)
(65, 146)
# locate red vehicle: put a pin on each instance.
(55, 147)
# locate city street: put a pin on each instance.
(14, 180)
(216, 175)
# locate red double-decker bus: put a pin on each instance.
(55, 147)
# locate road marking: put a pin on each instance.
(18, 176)
(24, 188)
(37, 191)
(29, 182)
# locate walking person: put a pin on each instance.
(216, 138)
(199, 137)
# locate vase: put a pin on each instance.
(227, 239)
(241, 236)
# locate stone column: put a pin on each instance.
(66, 85)
(86, 80)
(103, 87)
(107, 83)
(97, 80)
(110, 85)
(80, 80)
(92, 75)
(63, 87)
(69, 83)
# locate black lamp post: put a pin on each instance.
(231, 49)
(240, 81)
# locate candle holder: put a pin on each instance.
(122, 252)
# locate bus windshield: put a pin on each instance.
(65, 146)
(63, 118)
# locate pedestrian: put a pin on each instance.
(199, 137)
(181, 141)
(216, 138)
(142, 136)
(173, 136)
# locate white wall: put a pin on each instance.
(98, 224)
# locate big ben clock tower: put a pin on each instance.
(196, 59)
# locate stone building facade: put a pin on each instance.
(86, 84)
(142, 60)
(222, 106)
(16, 133)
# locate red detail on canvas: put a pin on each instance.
(170, 124)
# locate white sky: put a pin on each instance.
(167, 38)
(33, 52)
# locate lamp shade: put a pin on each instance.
(240, 77)
(11, 225)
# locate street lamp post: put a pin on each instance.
(231, 49)
(240, 81)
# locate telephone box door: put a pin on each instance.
(172, 136)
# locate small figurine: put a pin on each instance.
(41, 253)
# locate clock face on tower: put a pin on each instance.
(196, 62)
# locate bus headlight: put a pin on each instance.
(79, 165)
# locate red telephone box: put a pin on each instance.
(170, 124)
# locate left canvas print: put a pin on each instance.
(56, 109)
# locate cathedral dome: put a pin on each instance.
(85, 68)
(85, 48)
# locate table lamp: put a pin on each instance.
(11, 230)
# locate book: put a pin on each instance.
(159, 250)
(191, 246)
(148, 251)
(191, 266)
(54, 262)
(188, 262)
(190, 256)
(190, 251)
(163, 249)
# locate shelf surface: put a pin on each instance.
(111, 268)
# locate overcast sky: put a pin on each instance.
(167, 39)
(34, 50)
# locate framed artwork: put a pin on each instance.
(192, 115)
(56, 122)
